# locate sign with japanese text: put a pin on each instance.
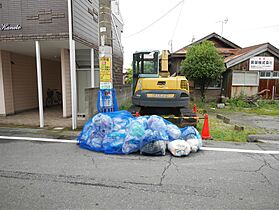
(105, 73)
(261, 63)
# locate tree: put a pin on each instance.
(129, 76)
(203, 64)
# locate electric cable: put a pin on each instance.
(177, 22)
(157, 20)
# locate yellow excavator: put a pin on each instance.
(156, 92)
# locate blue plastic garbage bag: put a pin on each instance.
(173, 131)
(101, 132)
(159, 126)
(187, 131)
(121, 133)
(135, 133)
(113, 142)
(155, 136)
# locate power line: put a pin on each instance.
(257, 28)
(151, 24)
(176, 24)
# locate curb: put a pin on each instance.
(263, 138)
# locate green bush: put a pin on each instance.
(239, 102)
(126, 105)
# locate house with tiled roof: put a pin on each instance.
(249, 70)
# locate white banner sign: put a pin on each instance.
(105, 85)
(260, 63)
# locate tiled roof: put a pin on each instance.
(239, 52)
(212, 35)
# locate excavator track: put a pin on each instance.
(188, 117)
(179, 116)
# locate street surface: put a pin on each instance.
(36, 175)
(269, 123)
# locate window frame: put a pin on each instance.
(245, 73)
(271, 75)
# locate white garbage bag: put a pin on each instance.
(179, 147)
(194, 143)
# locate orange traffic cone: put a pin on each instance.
(195, 109)
(205, 128)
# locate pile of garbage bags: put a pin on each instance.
(122, 133)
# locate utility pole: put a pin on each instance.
(105, 44)
(105, 52)
(105, 23)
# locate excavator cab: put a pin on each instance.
(145, 65)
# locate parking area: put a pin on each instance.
(52, 116)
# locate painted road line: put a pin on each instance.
(202, 148)
(38, 139)
(240, 150)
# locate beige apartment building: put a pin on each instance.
(32, 31)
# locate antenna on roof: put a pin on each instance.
(170, 44)
(193, 39)
(222, 24)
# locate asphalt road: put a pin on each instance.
(269, 123)
(62, 176)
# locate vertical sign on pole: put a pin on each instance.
(106, 99)
(105, 73)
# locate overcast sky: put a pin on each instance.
(250, 22)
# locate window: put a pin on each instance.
(145, 63)
(269, 74)
(245, 79)
(275, 74)
(149, 67)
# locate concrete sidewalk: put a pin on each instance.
(39, 133)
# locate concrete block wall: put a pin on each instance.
(123, 94)
(212, 95)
